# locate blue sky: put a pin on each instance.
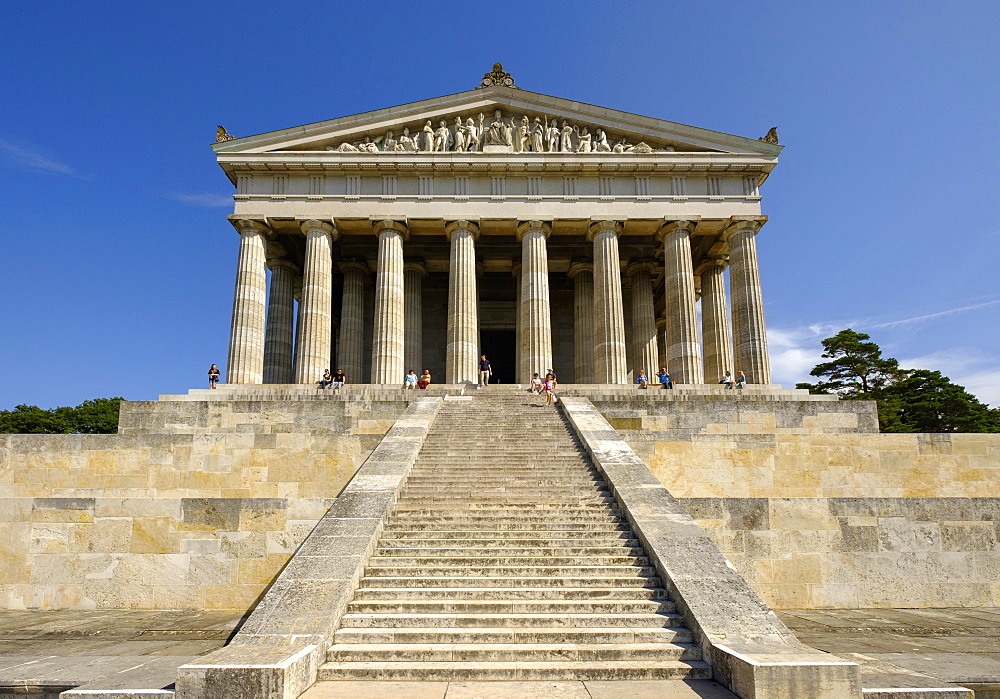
(118, 263)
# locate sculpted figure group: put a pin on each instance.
(521, 136)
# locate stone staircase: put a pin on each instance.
(506, 558)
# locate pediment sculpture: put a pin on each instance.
(498, 134)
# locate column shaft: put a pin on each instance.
(661, 342)
(413, 274)
(352, 320)
(646, 352)
(750, 335)
(462, 350)
(609, 321)
(536, 320)
(520, 366)
(313, 352)
(583, 320)
(246, 339)
(683, 346)
(715, 321)
(389, 332)
(278, 338)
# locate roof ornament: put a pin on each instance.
(771, 136)
(222, 135)
(497, 77)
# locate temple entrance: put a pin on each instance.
(499, 348)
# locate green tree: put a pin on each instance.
(856, 368)
(97, 416)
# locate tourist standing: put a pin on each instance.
(213, 376)
(410, 380)
(549, 386)
(485, 371)
(339, 378)
(425, 379)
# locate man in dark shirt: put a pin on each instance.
(485, 372)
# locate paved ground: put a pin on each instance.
(47, 652)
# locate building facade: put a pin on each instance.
(542, 232)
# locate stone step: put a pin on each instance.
(507, 652)
(504, 504)
(508, 550)
(463, 519)
(498, 571)
(509, 594)
(465, 560)
(539, 528)
(486, 539)
(508, 581)
(469, 607)
(526, 670)
(589, 636)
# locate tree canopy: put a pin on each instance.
(97, 416)
(909, 400)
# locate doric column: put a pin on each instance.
(683, 346)
(278, 338)
(414, 272)
(246, 338)
(609, 317)
(750, 336)
(352, 319)
(536, 320)
(715, 319)
(297, 291)
(661, 342)
(646, 353)
(313, 352)
(519, 365)
(582, 274)
(389, 331)
(462, 349)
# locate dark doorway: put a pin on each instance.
(498, 346)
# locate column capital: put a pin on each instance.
(282, 263)
(470, 227)
(640, 265)
(579, 266)
(358, 264)
(598, 227)
(313, 224)
(742, 224)
(249, 226)
(415, 265)
(669, 227)
(526, 227)
(709, 264)
(382, 225)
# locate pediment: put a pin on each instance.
(494, 120)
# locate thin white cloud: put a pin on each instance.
(207, 200)
(931, 316)
(31, 158)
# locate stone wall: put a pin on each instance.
(197, 505)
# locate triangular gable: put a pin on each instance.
(374, 131)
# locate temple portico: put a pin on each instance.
(551, 234)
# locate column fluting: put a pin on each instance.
(389, 331)
(246, 338)
(582, 274)
(350, 353)
(645, 353)
(749, 332)
(462, 349)
(716, 340)
(414, 272)
(609, 316)
(661, 342)
(683, 345)
(278, 338)
(313, 352)
(536, 319)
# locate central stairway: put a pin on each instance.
(506, 558)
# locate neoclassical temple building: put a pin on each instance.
(542, 232)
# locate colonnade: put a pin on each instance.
(262, 347)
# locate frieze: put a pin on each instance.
(499, 134)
